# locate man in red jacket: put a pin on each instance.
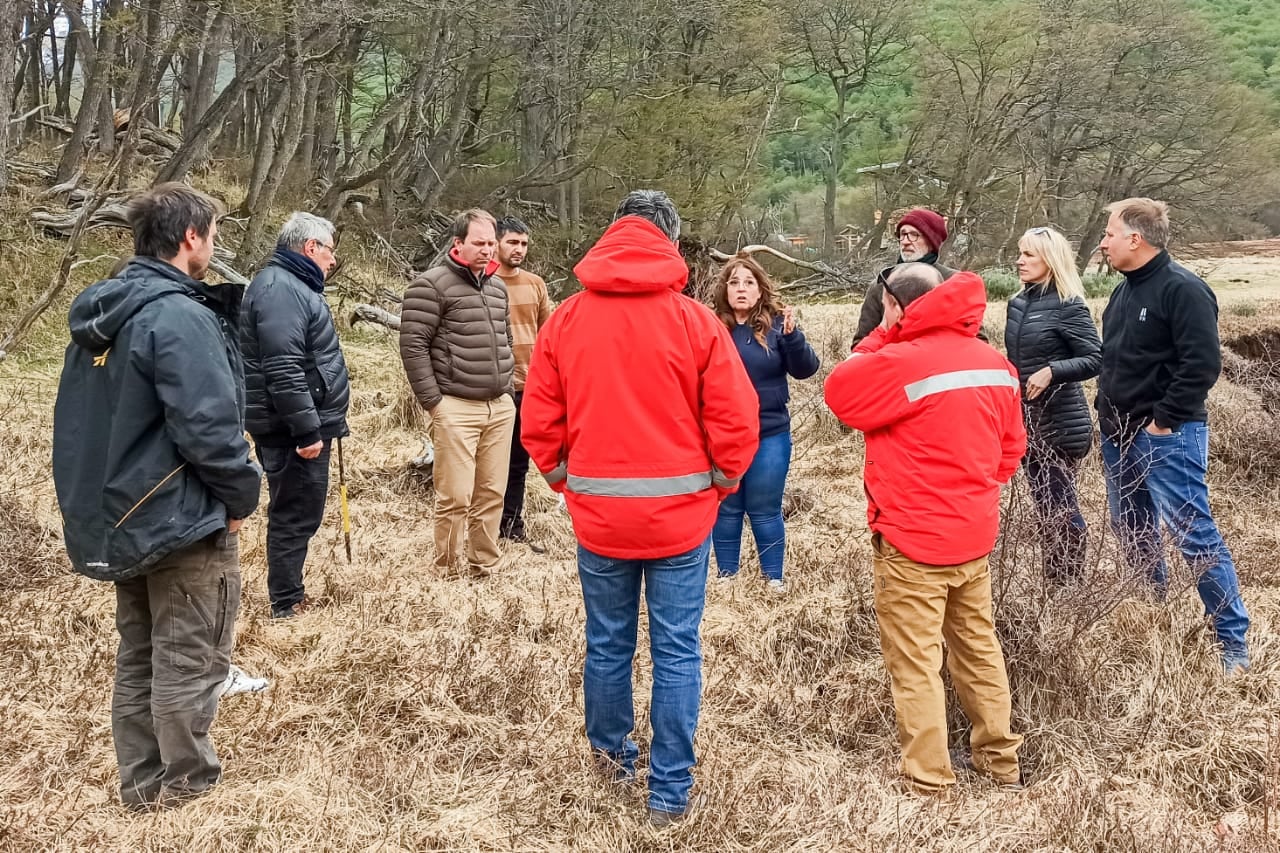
(944, 431)
(638, 409)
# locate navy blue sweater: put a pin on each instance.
(768, 369)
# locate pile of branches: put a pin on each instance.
(154, 143)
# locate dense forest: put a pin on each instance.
(796, 120)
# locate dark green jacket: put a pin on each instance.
(872, 312)
(149, 453)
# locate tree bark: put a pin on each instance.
(194, 150)
(264, 148)
(253, 243)
(9, 19)
(207, 78)
(95, 91)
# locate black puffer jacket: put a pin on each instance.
(149, 453)
(1041, 330)
(297, 387)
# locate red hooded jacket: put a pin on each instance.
(637, 405)
(943, 424)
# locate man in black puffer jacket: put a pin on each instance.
(153, 477)
(298, 392)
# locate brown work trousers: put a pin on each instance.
(919, 607)
(472, 440)
(176, 625)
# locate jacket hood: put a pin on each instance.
(300, 266)
(633, 256)
(956, 305)
(100, 311)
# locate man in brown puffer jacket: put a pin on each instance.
(457, 353)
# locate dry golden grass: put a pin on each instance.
(418, 713)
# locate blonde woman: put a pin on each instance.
(1050, 337)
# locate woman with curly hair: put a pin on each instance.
(772, 348)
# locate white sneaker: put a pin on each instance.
(428, 457)
(562, 506)
(239, 681)
(777, 585)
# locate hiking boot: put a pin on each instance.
(777, 586)
(480, 572)
(659, 819)
(962, 761)
(1018, 784)
(297, 609)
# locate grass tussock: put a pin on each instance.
(413, 712)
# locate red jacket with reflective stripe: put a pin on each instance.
(639, 389)
(943, 424)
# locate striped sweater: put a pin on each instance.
(530, 307)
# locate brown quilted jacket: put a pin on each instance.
(453, 334)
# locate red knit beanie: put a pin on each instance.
(928, 223)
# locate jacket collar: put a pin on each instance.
(223, 299)
(1150, 269)
(300, 266)
(455, 263)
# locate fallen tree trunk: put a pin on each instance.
(374, 314)
(826, 279)
(113, 213)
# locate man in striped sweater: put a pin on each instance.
(530, 307)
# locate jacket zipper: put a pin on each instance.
(148, 495)
(488, 317)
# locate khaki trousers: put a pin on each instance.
(472, 440)
(918, 607)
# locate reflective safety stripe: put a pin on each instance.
(958, 379)
(639, 487)
(719, 479)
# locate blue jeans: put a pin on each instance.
(1052, 479)
(760, 498)
(1162, 478)
(675, 590)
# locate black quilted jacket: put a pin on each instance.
(1042, 330)
(296, 382)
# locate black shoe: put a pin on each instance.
(293, 610)
(524, 540)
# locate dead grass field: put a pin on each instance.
(413, 712)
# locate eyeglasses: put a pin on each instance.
(1039, 231)
(328, 246)
(909, 236)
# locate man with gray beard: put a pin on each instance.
(921, 233)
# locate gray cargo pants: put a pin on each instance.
(176, 625)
